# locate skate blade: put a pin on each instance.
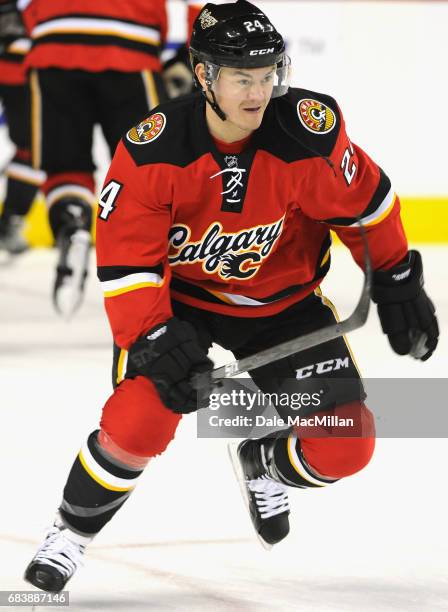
(68, 297)
(232, 448)
(67, 301)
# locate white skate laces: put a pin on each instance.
(71, 272)
(271, 496)
(60, 552)
(264, 495)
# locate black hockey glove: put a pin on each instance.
(177, 74)
(406, 313)
(11, 24)
(169, 355)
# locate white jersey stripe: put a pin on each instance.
(382, 208)
(130, 280)
(21, 45)
(239, 300)
(83, 25)
(23, 172)
(242, 300)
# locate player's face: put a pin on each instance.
(243, 94)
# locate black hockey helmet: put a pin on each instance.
(237, 35)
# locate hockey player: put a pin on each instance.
(213, 226)
(91, 63)
(22, 181)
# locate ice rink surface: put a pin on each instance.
(374, 542)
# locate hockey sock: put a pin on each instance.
(97, 487)
(290, 465)
(69, 213)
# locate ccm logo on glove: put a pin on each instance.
(170, 355)
(406, 313)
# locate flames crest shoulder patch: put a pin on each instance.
(315, 116)
(147, 130)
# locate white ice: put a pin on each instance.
(374, 542)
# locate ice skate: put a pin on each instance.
(11, 236)
(71, 271)
(265, 497)
(57, 559)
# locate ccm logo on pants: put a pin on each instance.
(323, 367)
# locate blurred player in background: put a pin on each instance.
(90, 63)
(214, 226)
(22, 181)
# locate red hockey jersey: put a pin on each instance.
(95, 36)
(244, 234)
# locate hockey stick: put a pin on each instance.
(288, 348)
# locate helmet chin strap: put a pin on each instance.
(215, 106)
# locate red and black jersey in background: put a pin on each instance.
(22, 180)
(102, 35)
(243, 233)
